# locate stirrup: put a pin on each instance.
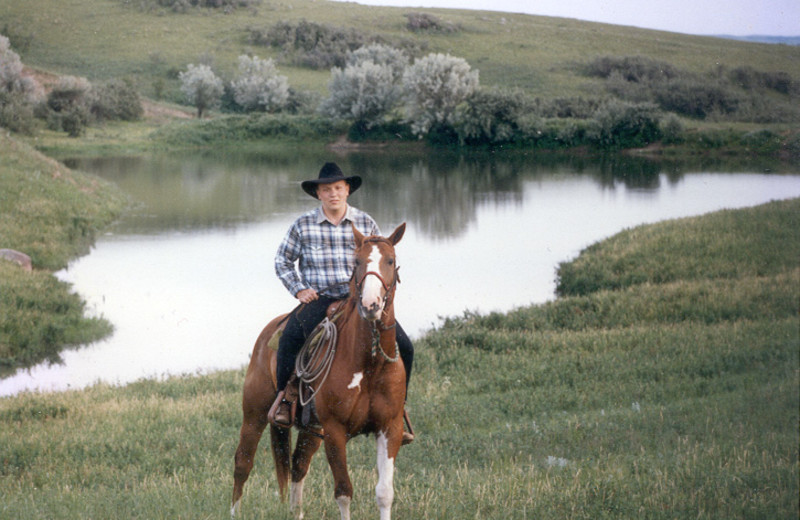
(280, 400)
(408, 436)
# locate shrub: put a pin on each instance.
(618, 124)
(16, 113)
(259, 86)
(310, 44)
(433, 87)
(183, 6)
(115, 100)
(202, 87)
(750, 78)
(631, 68)
(490, 117)
(68, 105)
(367, 88)
(16, 91)
(424, 22)
(671, 129)
(695, 98)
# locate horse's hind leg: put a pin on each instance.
(307, 446)
(250, 434)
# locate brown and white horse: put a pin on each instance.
(363, 393)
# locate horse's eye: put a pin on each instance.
(390, 261)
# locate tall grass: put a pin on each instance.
(658, 399)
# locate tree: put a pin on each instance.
(368, 87)
(433, 87)
(201, 87)
(17, 91)
(259, 86)
(68, 105)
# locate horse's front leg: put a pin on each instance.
(336, 451)
(388, 444)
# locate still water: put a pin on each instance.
(187, 277)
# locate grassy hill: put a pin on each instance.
(671, 396)
(100, 39)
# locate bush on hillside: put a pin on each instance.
(16, 91)
(749, 78)
(433, 87)
(310, 44)
(115, 100)
(618, 124)
(425, 22)
(202, 88)
(635, 69)
(183, 6)
(259, 86)
(741, 94)
(68, 106)
(368, 88)
(490, 117)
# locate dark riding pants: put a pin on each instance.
(300, 325)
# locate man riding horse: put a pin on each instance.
(321, 243)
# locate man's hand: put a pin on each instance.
(307, 295)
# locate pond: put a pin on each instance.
(187, 277)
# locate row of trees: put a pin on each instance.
(379, 91)
(376, 80)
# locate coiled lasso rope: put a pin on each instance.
(313, 363)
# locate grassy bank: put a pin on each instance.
(649, 396)
(52, 214)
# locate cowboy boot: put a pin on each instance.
(408, 436)
(283, 410)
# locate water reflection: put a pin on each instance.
(438, 193)
(187, 278)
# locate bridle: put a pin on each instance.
(377, 325)
(388, 288)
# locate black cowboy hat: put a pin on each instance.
(329, 173)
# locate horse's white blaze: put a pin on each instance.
(371, 297)
(296, 498)
(344, 507)
(356, 382)
(384, 491)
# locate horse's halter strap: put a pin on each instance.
(389, 292)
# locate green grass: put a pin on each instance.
(52, 214)
(665, 397)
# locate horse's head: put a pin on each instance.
(375, 275)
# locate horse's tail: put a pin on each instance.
(281, 441)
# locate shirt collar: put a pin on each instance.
(348, 215)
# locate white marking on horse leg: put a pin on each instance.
(384, 491)
(235, 508)
(296, 498)
(344, 507)
(356, 382)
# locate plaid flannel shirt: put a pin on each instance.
(324, 252)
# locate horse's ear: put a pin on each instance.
(359, 238)
(398, 234)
